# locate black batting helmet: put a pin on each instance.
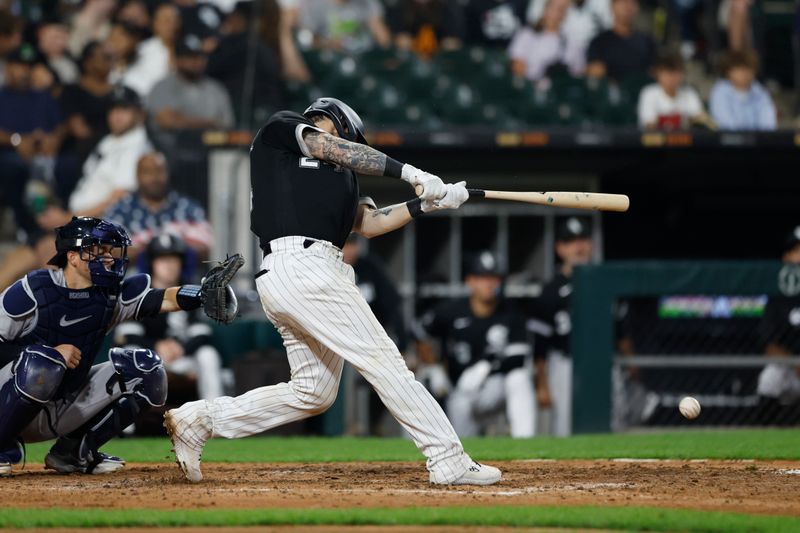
(166, 244)
(347, 122)
(483, 263)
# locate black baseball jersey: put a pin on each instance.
(185, 327)
(466, 339)
(293, 193)
(781, 323)
(550, 323)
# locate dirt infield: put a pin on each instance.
(758, 487)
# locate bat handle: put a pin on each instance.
(474, 193)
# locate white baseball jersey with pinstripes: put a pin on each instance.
(309, 294)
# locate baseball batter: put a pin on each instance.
(305, 203)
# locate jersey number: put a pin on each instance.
(307, 162)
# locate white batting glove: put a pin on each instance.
(455, 194)
(433, 186)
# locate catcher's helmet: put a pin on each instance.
(346, 121)
(82, 233)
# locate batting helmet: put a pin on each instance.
(82, 233)
(483, 264)
(346, 121)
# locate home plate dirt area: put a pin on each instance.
(758, 487)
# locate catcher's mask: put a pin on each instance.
(346, 121)
(101, 243)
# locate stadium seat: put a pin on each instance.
(344, 79)
(458, 104)
(321, 62)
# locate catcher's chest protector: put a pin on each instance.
(68, 316)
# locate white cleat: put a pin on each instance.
(477, 474)
(189, 427)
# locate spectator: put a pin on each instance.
(136, 14)
(381, 294)
(123, 45)
(739, 102)
(109, 173)
(187, 98)
(621, 51)
(346, 25)
(584, 20)
(426, 26)
(734, 17)
(668, 103)
(30, 137)
(85, 105)
(228, 64)
(535, 49)
(52, 38)
(45, 79)
(551, 325)
(200, 22)
(154, 55)
(779, 384)
(91, 23)
(485, 349)
(154, 209)
(493, 22)
(292, 63)
(10, 39)
(181, 339)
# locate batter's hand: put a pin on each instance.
(432, 186)
(455, 194)
(71, 354)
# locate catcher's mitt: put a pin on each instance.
(219, 300)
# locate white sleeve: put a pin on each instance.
(298, 133)
(535, 9)
(694, 106)
(125, 177)
(647, 105)
(130, 298)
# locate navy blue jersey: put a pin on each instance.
(41, 309)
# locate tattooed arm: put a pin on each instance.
(357, 157)
(371, 222)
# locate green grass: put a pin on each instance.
(639, 518)
(725, 444)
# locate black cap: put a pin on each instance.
(792, 239)
(483, 264)
(572, 228)
(189, 45)
(25, 54)
(122, 96)
(166, 244)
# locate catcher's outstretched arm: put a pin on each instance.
(170, 302)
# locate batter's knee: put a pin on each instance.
(38, 373)
(316, 401)
(146, 365)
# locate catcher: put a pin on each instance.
(57, 319)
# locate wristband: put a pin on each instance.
(393, 168)
(189, 297)
(415, 207)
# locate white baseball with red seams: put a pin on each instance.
(689, 407)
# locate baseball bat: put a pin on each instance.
(574, 200)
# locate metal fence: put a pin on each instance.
(711, 347)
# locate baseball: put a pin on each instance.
(689, 407)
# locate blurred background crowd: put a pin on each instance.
(103, 104)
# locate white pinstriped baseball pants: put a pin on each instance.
(309, 294)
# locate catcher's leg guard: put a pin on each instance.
(35, 378)
(141, 376)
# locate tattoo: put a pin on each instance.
(383, 211)
(358, 157)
